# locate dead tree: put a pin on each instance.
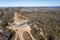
(19, 28)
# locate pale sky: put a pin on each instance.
(28, 3)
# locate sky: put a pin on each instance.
(28, 3)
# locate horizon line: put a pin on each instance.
(29, 6)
